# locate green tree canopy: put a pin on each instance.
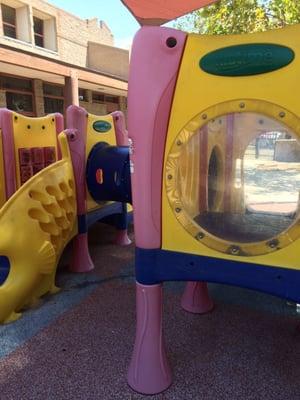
(241, 16)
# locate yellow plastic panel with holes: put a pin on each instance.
(35, 225)
(200, 98)
(2, 177)
(33, 132)
(93, 137)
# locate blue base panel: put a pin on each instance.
(113, 214)
(155, 266)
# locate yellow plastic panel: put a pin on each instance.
(201, 97)
(32, 132)
(94, 137)
(35, 225)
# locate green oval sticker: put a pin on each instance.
(101, 126)
(247, 59)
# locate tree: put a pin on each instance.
(241, 16)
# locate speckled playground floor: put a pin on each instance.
(77, 344)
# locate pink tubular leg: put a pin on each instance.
(122, 238)
(196, 298)
(149, 371)
(81, 260)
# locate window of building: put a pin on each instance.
(53, 98)
(112, 99)
(9, 21)
(83, 95)
(111, 102)
(44, 27)
(38, 28)
(98, 97)
(19, 94)
(20, 102)
(104, 98)
(13, 83)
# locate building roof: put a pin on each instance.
(158, 12)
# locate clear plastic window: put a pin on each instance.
(239, 177)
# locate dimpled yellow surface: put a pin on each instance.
(35, 225)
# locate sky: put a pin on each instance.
(113, 12)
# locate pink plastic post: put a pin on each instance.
(152, 79)
(196, 298)
(122, 238)
(6, 117)
(81, 260)
(149, 371)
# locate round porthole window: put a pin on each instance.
(237, 182)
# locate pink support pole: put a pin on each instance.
(81, 260)
(196, 298)
(122, 238)
(149, 371)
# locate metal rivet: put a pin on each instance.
(170, 176)
(273, 244)
(204, 116)
(200, 236)
(282, 114)
(179, 142)
(171, 42)
(177, 209)
(234, 249)
(242, 105)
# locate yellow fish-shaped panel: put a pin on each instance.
(35, 225)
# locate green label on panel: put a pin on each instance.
(101, 126)
(246, 59)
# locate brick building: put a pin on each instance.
(50, 58)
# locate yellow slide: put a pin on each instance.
(35, 225)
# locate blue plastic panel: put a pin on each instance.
(154, 266)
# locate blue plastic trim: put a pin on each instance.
(4, 269)
(82, 223)
(103, 212)
(156, 265)
(110, 214)
(114, 163)
(121, 222)
(130, 217)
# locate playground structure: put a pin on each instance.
(195, 106)
(192, 115)
(46, 201)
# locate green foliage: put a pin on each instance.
(241, 16)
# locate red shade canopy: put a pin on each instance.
(158, 12)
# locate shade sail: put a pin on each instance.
(158, 12)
